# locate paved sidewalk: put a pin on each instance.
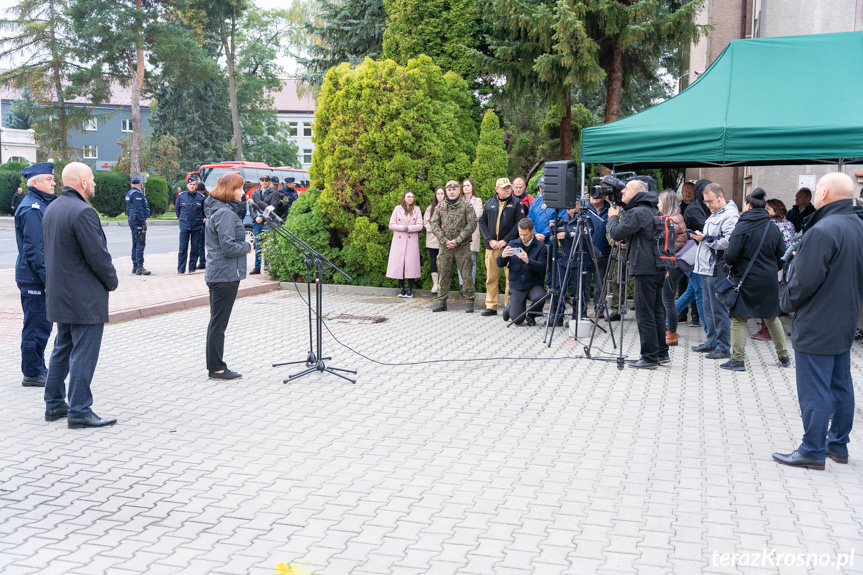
(549, 465)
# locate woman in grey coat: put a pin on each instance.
(227, 250)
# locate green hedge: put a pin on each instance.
(9, 184)
(111, 188)
(13, 167)
(157, 195)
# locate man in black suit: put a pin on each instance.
(525, 258)
(79, 276)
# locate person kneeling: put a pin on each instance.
(526, 260)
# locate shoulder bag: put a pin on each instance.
(726, 291)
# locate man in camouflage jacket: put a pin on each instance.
(453, 223)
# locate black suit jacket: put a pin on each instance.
(78, 267)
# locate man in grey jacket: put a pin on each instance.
(712, 242)
(824, 290)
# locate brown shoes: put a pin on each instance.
(670, 338)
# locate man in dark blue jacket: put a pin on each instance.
(525, 258)
(137, 210)
(79, 275)
(190, 212)
(30, 270)
(824, 291)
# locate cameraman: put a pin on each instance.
(824, 290)
(643, 258)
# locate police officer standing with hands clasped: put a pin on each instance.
(190, 212)
(30, 270)
(137, 210)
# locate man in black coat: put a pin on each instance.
(643, 258)
(525, 258)
(825, 290)
(499, 226)
(802, 209)
(79, 276)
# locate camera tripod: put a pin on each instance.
(616, 261)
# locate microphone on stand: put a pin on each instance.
(268, 212)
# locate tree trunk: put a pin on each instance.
(237, 138)
(566, 126)
(137, 84)
(615, 84)
(63, 150)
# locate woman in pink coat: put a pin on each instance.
(404, 263)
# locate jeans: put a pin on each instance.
(650, 316)
(693, 292)
(76, 352)
(717, 322)
(222, 297)
(669, 288)
(739, 337)
(461, 281)
(258, 229)
(826, 397)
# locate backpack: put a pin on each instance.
(663, 235)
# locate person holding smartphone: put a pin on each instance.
(525, 258)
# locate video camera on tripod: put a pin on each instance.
(611, 186)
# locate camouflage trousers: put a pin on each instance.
(463, 261)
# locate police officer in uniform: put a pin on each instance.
(202, 248)
(190, 213)
(291, 195)
(30, 270)
(453, 223)
(137, 210)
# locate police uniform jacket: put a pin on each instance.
(513, 211)
(78, 267)
(523, 276)
(190, 211)
(137, 207)
(30, 265)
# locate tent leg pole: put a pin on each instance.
(583, 188)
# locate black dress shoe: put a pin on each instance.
(487, 312)
(227, 374)
(91, 420)
(531, 322)
(797, 460)
(254, 272)
(703, 348)
(641, 364)
(202, 266)
(715, 354)
(55, 414)
(34, 380)
(505, 314)
(664, 359)
(836, 457)
(733, 365)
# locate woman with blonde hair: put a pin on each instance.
(227, 250)
(404, 261)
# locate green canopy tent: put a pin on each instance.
(766, 101)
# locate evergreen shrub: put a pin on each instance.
(110, 197)
(157, 195)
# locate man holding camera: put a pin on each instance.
(643, 258)
(525, 258)
(824, 290)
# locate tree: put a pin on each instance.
(159, 155)
(446, 30)
(40, 33)
(21, 113)
(491, 160)
(341, 31)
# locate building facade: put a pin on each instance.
(734, 19)
(295, 107)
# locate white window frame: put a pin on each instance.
(307, 153)
(123, 125)
(293, 129)
(307, 129)
(90, 148)
(92, 125)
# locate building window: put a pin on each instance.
(292, 129)
(307, 129)
(126, 125)
(92, 125)
(91, 152)
(307, 156)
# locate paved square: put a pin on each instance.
(549, 465)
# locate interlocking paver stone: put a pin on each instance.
(550, 465)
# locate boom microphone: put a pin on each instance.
(268, 212)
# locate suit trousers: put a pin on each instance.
(37, 330)
(222, 298)
(826, 396)
(189, 239)
(76, 352)
(650, 316)
(202, 250)
(518, 302)
(492, 279)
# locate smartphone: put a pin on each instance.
(516, 251)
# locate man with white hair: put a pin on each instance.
(30, 270)
(824, 291)
(79, 274)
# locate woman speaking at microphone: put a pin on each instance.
(227, 251)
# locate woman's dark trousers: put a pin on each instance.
(222, 297)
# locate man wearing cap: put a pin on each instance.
(291, 195)
(30, 270)
(262, 194)
(499, 226)
(190, 212)
(137, 211)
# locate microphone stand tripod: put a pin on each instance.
(315, 360)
